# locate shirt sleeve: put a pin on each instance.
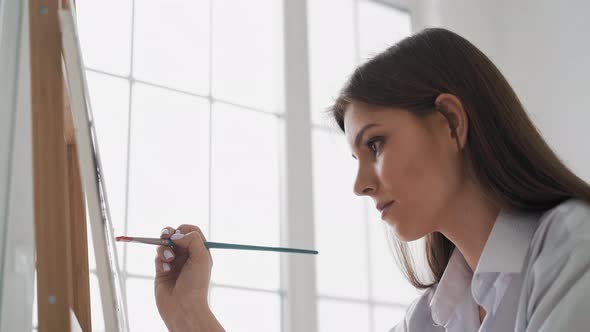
(560, 295)
(418, 310)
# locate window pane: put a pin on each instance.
(388, 282)
(246, 268)
(245, 311)
(331, 52)
(386, 317)
(141, 306)
(248, 52)
(140, 258)
(171, 44)
(380, 26)
(342, 316)
(109, 97)
(105, 46)
(245, 194)
(169, 165)
(339, 218)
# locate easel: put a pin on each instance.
(59, 204)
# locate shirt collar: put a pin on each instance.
(504, 251)
(451, 289)
(508, 242)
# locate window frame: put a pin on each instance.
(298, 291)
(298, 222)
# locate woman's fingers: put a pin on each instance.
(167, 232)
(185, 228)
(193, 243)
(178, 254)
(161, 266)
(164, 259)
(165, 253)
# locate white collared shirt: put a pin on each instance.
(533, 275)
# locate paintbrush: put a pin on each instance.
(217, 245)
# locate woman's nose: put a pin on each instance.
(366, 192)
(363, 187)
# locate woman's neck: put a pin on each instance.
(468, 223)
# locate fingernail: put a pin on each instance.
(166, 267)
(168, 254)
(178, 231)
(176, 236)
(165, 231)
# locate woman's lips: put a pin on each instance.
(386, 208)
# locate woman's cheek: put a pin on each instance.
(389, 173)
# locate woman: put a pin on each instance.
(447, 152)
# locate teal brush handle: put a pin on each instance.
(219, 245)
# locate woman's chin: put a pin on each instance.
(404, 234)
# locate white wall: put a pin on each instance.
(543, 49)
(8, 59)
(547, 60)
(16, 303)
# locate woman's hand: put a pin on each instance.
(182, 280)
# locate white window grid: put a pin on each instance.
(305, 310)
(372, 303)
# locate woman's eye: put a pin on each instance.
(374, 145)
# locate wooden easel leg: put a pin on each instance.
(77, 222)
(49, 169)
(78, 231)
(79, 242)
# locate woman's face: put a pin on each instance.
(410, 160)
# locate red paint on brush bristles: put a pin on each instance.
(124, 238)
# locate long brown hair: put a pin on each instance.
(505, 153)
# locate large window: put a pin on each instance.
(188, 98)
(359, 285)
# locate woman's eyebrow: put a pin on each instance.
(361, 132)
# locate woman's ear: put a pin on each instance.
(452, 109)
